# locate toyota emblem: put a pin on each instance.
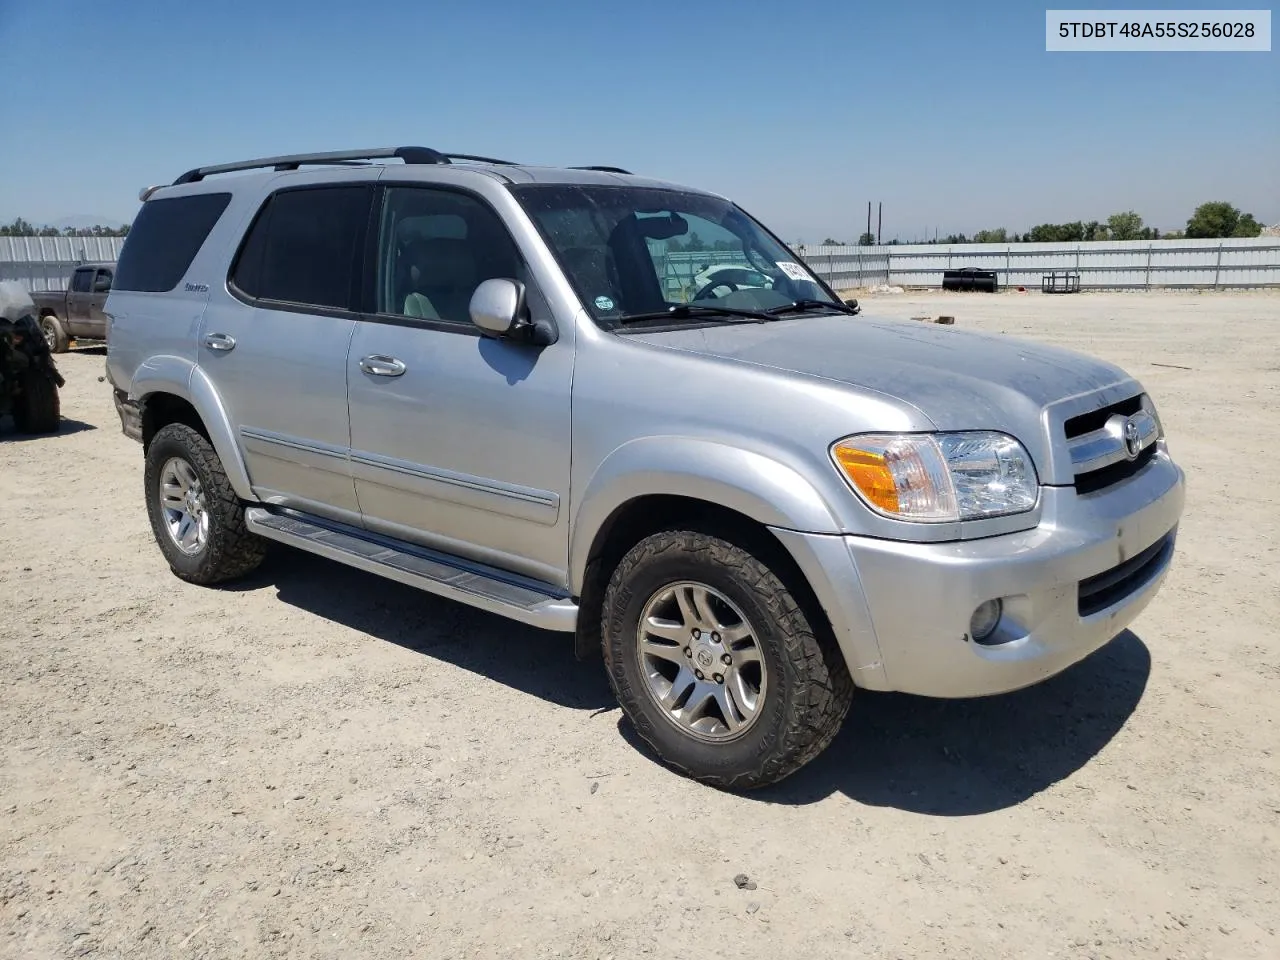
(1132, 439)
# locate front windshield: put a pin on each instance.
(636, 251)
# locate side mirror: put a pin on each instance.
(498, 309)
(102, 286)
(854, 305)
(496, 306)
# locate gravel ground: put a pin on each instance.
(318, 763)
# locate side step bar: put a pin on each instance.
(479, 585)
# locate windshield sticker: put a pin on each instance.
(794, 270)
(604, 303)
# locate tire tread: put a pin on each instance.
(39, 408)
(233, 551)
(819, 702)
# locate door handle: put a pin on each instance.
(382, 366)
(220, 342)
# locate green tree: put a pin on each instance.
(1247, 227)
(999, 235)
(19, 228)
(694, 242)
(1093, 230)
(1220, 219)
(1057, 232)
(1125, 226)
(867, 239)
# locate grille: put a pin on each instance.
(1101, 591)
(1095, 480)
(1098, 445)
(1097, 419)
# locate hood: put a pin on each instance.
(959, 379)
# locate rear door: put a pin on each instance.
(275, 343)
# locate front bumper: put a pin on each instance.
(919, 597)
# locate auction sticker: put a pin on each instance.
(794, 270)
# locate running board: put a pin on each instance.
(479, 585)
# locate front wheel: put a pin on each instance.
(715, 663)
(197, 519)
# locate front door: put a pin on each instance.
(79, 294)
(96, 321)
(275, 345)
(459, 442)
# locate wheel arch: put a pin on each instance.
(174, 391)
(760, 503)
(679, 470)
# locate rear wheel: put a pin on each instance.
(54, 335)
(716, 664)
(37, 408)
(196, 517)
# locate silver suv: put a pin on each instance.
(505, 385)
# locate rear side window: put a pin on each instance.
(164, 239)
(80, 281)
(304, 247)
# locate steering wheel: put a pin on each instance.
(705, 293)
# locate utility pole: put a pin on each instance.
(879, 221)
(868, 216)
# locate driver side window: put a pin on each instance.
(434, 248)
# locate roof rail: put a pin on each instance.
(475, 159)
(605, 169)
(292, 162)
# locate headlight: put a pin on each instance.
(935, 477)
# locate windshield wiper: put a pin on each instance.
(802, 305)
(685, 311)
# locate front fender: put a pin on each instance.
(182, 378)
(749, 483)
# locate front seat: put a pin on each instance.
(411, 270)
(449, 276)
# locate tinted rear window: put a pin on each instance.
(304, 247)
(165, 238)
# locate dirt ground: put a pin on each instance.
(318, 763)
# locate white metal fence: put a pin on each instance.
(1102, 265)
(45, 263)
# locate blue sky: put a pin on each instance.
(952, 114)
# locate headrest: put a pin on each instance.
(441, 263)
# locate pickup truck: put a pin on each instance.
(76, 313)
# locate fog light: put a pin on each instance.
(985, 619)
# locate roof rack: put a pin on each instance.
(341, 157)
(355, 158)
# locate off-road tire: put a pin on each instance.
(230, 551)
(54, 334)
(37, 408)
(809, 689)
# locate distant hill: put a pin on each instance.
(82, 221)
